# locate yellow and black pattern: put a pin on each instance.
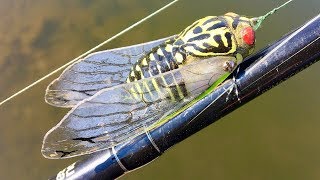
(207, 37)
(159, 60)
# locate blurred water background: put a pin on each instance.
(276, 136)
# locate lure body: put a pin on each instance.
(207, 37)
(118, 94)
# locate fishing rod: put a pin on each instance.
(284, 58)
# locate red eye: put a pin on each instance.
(248, 36)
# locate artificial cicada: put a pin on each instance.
(118, 94)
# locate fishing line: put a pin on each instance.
(260, 19)
(88, 52)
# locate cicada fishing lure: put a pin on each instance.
(118, 94)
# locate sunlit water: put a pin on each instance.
(276, 136)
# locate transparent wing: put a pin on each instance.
(95, 72)
(114, 115)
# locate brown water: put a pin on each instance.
(276, 136)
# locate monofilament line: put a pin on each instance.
(88, 52)
(262, 18)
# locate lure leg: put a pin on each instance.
(229, 66)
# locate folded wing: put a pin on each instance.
(116, 114)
